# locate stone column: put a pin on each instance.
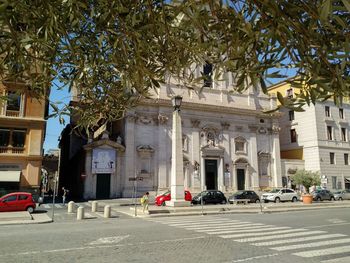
(196, 156)
(221, 181)
(276, 157)
(162, 153)
(177, 176)
(129, 156)
(254, 159)
(88, 183)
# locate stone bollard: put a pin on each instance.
(80, 213)
(71, 207)
(94, 206)
(107, 211)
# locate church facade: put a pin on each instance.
(228, 143)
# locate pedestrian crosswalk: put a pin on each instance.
(59, 206)
(300, 242)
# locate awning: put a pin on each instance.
(347, 179)
(10, 176)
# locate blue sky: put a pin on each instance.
(54, 128)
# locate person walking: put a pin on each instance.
(64, 195)
(145, 202)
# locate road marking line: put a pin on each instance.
(265, 233)
(320, 226)
(323, 252)
(231, 225)
(58, 206)
(103, 246)
(226, 227)
(338, 260)
(279, 236)
(245, 230)
(46, 206)
(293, 240)
(194, 220)
(108, 240)
(199, 223)
(314, 244)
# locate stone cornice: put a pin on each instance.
(107, 142)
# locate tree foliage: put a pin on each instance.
(306, 179)
(114, 52)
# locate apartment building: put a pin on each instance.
(317, 138)
(22, 133)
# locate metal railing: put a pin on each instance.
(12, 150)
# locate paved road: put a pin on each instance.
(315, 236)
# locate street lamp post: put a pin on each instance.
(177, 176)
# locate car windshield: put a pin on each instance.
(200, 194)
(238, 193)
(274, 191)
(166, 193)
(337, 192)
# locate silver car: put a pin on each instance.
(280, 195)
(342, 195)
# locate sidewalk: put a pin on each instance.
(127, 206)
(24, 217)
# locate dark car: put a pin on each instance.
(210, 197)
(251, 195)
(320, 195)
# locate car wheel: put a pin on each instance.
(257, 201)
(277, 200)
(332, 198)
(265, 201)
(340, 199)
(294, 199)
(318, 199)
(30, 209)
(223, 202)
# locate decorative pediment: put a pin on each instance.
(104, 142)
(211, 150)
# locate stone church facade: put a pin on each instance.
(228, 143)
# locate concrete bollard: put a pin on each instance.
(107, 211)
(80, 213)
(94, 206)
(71, 207)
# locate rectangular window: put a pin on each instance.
(13, 101)
(334, 182)
(346, 158)
(4, 137)
(327, 111)
(341, 113)
(12, 137)
(207, 75)
(332, 158)
(329, 133)
(343, 134)
(291, 115)
(293, 135)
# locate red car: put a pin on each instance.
(160, 199)
(19, 201)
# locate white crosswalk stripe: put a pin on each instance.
(323, 252)
(294, 240)
(246, 230)
(278, 238)
(314, 244)
(58, 206)
(45, 206)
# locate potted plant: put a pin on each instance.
(306, 179)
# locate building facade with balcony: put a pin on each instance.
(316, 139)
(229, 144)
(22, 132)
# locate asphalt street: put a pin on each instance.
(312, 236)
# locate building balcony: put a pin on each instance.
(12, 150)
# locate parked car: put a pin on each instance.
(280, 195)
(251, 195)
(210, 197)
(160, 199)
(322, 194)
(18, 201)
(342, 195)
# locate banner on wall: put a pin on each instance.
(103, 161)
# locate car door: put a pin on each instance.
(22, 202)
(347, 194)
(10, 203)
(283, 195)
